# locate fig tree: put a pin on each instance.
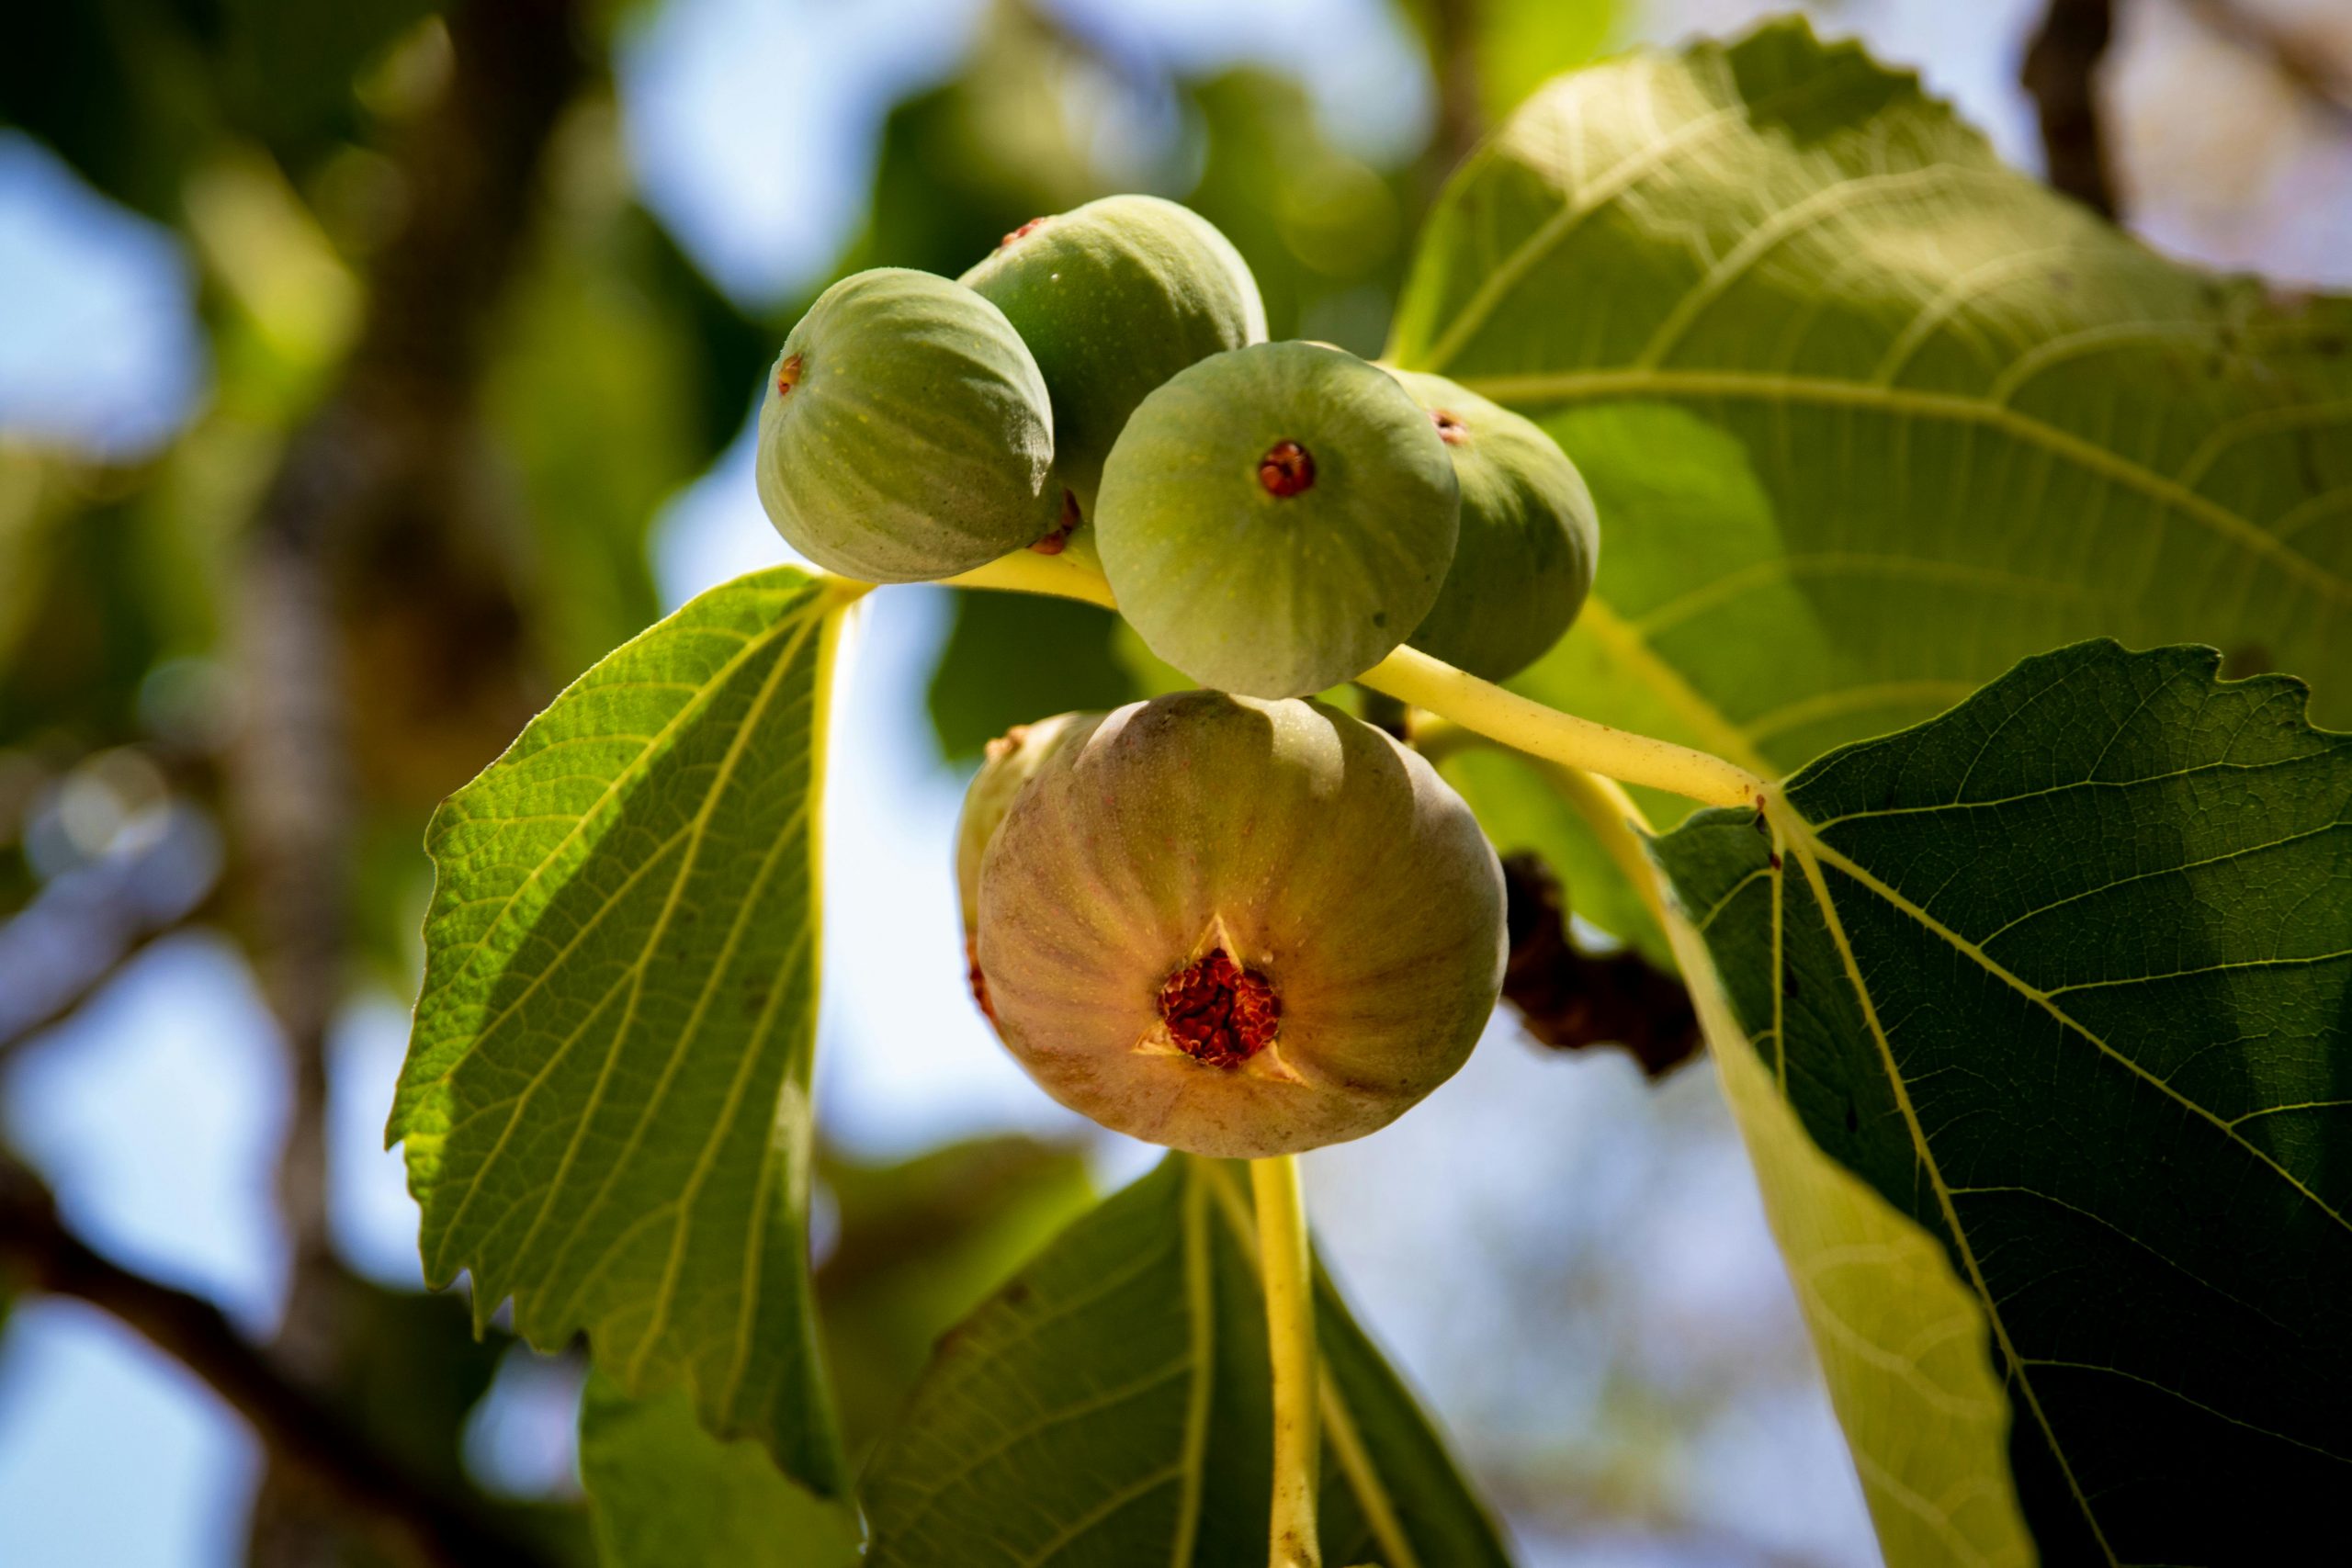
(1528, 542)
(906, 433)
(1236, 927)
(1276, 519)
(1113, 299)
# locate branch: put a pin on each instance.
(1573, 1000)
(423, 1522)
(389, 452)
(392, 432)
(1460, 115)
(2061, 72)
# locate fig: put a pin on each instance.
(906, 434)
(1276, 519)
(1530, 539)
(1010, 761)
(1113, 299)
(1239, 928)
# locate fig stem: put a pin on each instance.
(1290, 1337)
(1413, 677)
(1528, 726)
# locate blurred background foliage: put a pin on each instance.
(518, 411)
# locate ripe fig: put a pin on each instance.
(1276, 519)
(1113, 298)
(1011, 760)
(1239, 928)
(906, 434)
(1529, 538)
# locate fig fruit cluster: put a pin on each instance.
(1231, 921)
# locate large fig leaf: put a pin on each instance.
(606, 1101)
(1900, 1336)
(1869, 416)
(662, 1491)
(1110, 1405)
(2064, 975)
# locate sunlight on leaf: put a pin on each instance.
(1868, 416)
(605, 1103)
(1110, 1405)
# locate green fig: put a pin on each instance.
(1113, 299)
(906, 434)
(1276, 519)
(1529, 538)
(1239, 928)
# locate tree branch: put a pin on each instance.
(2061, 72)
(1573, 1000)
(1461, 114)
(390, 451)
(423, 1523)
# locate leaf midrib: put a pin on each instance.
(1791, 831)
(1364, 1480)
(479, 1178)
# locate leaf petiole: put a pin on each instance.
(1290, 1338)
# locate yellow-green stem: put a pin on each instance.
(1290, 1336)
(1413, 677)
(1528, 726)
(1618, 823)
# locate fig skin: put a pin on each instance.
(1276, 519)
(1113, 299)
(906, 434)
(1328, 864)
(1011, 760)
(1529, 537)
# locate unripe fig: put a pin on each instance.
(906, 434)
(1276, 519)
(1529, 538)
(1113, 298)
(1239, 928)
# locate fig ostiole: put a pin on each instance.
(1276, 519)
(1236, 927)
(1113, 299)
(906, 434)
(1529, 541)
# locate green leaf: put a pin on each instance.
(662, 1491)
(2063, 976)
(1012, 660)
(606, 1101)
(921, 1243)
(1110, 1405)
(1900, 1337)
(1869, 416)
